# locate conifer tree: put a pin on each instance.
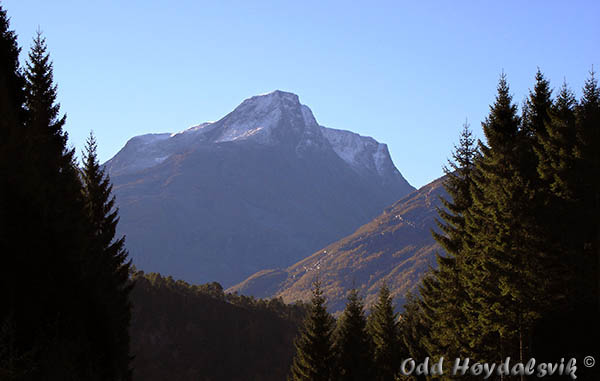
(414, 328)
(11, 83)
(536, 113)
(12, 110)
(556, 164)
(54, 309)
(110, 259)
(44, 123)
(352, 342)
(556, 146)
(585, 303)
(487, 317)
(383, 327)
(443, 293)
(536, 116)
(314, 359)
(587, 185)
(569, 218)
(508, 244)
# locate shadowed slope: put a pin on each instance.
(396, 248)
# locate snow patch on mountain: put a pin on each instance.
(202, 128)
(380, 157)
(150, 138)
(159, 160)
(258, 116)
(361, 152)
(257, 125)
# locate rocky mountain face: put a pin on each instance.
(396, 248)
(263, 187)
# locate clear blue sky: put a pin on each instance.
(406, 73)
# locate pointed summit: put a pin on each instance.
(279, 95)
(277, 117)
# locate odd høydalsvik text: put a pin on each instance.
(462, 367)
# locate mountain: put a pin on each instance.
(263, 187)
(396, 248)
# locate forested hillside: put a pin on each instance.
(184, 332)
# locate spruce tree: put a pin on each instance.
(443, 293)
(383, 327)
(557, 215)
(352, 342)
(110, 259)
(585, 304)
(569, 223)
(536, 112)
(508, 244)
(414, 328)
(556, 160)
(11, 84)
(12, 98)
(493, 324)
(587, 185)
(44, 123)
(314, 359)
(57, 304)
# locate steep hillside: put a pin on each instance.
(396, 248)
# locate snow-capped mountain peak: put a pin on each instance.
(276, 118)
(273, 118)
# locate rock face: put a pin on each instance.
(263, 187)
(396, 248)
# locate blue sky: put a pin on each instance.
(406, 73)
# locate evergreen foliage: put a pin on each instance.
(12, 82)
(504, 285)
(59, 318)
(383, 327)
(112, 267)
(587, 190)
(556, 145)
(13, 357)
(352, 343)
(443, 293)
(520, 278)
(314, 359)
(48, 235)
(414, 327)
(190, 332)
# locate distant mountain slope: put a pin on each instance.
(396, 248)
(263, 187)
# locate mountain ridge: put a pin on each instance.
(353, 148)
(261, 187)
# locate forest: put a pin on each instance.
(518, 276)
